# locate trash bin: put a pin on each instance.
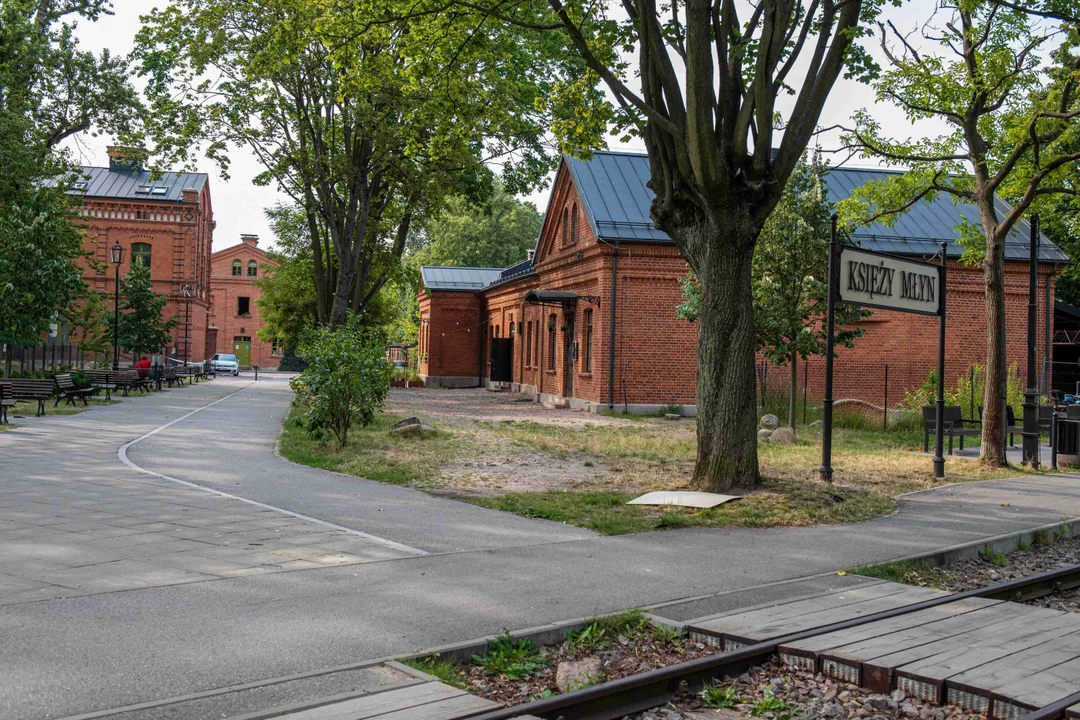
(1067, 442)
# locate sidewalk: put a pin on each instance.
(485, 571)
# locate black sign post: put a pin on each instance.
(879, 280)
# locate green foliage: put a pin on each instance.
(40, 275)
(1043, 538)
(442, 668)
(495, 232)
(599, 634)
(994, 557)
(367, 114)
(291, 362)
(513, 659)
(143, 331)
(900, 571)
(772, 707)
(721, 697)
(346, 380)
(288, 301)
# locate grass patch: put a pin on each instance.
(444, 669)
(601, 632)
(777, 504)
(911, 572)
(510, 658)
(373, 453)
(29, 409)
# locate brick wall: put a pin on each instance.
(450, 323)
(180, 236)
(227, 289)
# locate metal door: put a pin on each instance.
(569, 356)
(242, 350)
(502, 355)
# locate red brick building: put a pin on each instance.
(167, 222)
(234, 316)
(589, 319)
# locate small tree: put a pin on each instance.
(790, 278)
(142, 329)
(346, 380)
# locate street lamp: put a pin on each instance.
(187, 311)
(116, 255)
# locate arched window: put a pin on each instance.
(528, 344)
(253, 268)
(566, 226)
(552, 324)
(140, 253)
(573, 223)
(237, 268)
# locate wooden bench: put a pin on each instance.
(1010, 423)
(954, 425)
(103, 380)
(29, 389)
(66, 390)
(131, 380)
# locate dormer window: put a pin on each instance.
(159, 190)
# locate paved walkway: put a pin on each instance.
(177, 633)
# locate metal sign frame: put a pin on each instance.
(835, 253)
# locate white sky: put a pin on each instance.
(238, 204)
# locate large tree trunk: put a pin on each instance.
(726, 393)
(993, 419)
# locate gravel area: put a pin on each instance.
(1048, 553)
(777, 692)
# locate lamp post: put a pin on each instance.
(116, 255)
(187, 331)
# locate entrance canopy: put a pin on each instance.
(557, 297)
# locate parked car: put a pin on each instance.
(224, 362)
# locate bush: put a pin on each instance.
(346, 379)
(291, 362)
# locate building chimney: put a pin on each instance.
(247, 239)
(530, 254)
(126, 159)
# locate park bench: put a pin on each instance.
(103, 380)
(66, 390)
(954, 425)
(132, 380)
(174, 375)
(1010, 423)
(29, 389)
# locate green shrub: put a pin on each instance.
(513, 659)
(721, 697)
(346, 380)
(291, 362)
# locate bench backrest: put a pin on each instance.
(64, 381)
(30, 387)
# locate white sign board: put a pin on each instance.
(885, 281)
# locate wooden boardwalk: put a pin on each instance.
(990, 656)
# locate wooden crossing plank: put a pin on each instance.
(1073, 713)
(770, 628)
(986, 679)
(805, 653)
(739, 620)
(875, 659)
(995, 643)
(1035, 691)
(432, 700)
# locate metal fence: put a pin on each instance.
(50, 357)
(888, 395)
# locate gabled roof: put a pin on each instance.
(103, 182)
(617, 203)
(437, 277)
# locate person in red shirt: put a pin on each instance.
(143, 366)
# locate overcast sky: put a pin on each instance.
(239, 205)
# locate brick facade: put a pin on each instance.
(234, 314)
(179, 234)
(654, 351)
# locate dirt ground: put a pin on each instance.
(498, 464)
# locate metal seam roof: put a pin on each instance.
(438, 277)
(103, 182)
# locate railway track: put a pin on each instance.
(624, 696)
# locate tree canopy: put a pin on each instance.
(366, 113)
(143, 330)
(1002, 78)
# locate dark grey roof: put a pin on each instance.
(921, 230)
(617, 202)
(550, 296)
(458, 278)
(614, 196)
(106, 183)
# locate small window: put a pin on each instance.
(243, 306)
(143, 190)
(588, 341)
(277, 349)
(552, 323)
(140, 253)
(253, 268)
(528, 344)
(511, 325)
(497, 328)
(536, 347)
(159, 191)
(237, 268)
(573, 223)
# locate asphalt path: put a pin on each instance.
(484, 570)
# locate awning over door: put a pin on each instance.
(553, 297)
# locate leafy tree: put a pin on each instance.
(1003, 78)
(40, 249)
(288, 304)
(366, 113)
(790, 279)
(721, 151)
(143, 331)
(1059, 219)
(346, 380)
(88, 324)
(495, 233)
